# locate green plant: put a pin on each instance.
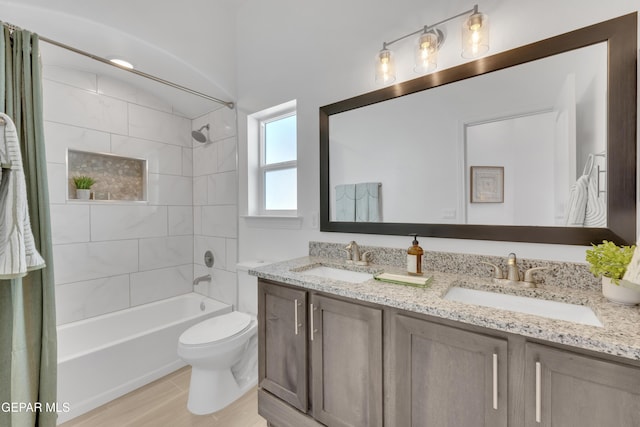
(609, 260)
(83, 182)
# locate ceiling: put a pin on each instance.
(189, 43)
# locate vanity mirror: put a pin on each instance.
(491, 149)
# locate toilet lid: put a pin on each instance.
(216, 328)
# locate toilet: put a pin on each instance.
(223, 350)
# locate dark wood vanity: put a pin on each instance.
(349, 363)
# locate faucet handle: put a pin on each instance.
(497, 271)
(363, 258)
(528, 275)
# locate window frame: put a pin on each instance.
(264, 168)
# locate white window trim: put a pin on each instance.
(257, 217)
(263, 168)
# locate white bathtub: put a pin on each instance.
(104, 357)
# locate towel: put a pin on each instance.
(596, 210)
(401, 279)
(346, 202)
(18, 253)
(368, 202)
(577, 206)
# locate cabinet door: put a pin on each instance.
(564, 389)
(439, 376)
(283, 343)
(346, 363)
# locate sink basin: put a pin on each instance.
(337, 274)
(539, 307)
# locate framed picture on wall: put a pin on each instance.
(487, 184)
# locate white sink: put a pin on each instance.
(539, 307)
(337, 274)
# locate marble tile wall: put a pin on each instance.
(215, 205)
(110, 256)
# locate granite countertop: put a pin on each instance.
(620, 334)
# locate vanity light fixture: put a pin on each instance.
(475, 42)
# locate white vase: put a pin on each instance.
(83, 194)
(619, 294)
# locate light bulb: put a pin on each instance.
(426, 56)
(475, 35)
(385, 69)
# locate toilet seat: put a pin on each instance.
(216, 329)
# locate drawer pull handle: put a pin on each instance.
(311, 321)
(538, 393)
(495, 381)
(295, 315)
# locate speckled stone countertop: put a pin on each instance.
(619, 336)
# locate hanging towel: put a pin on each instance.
(368, 202)
(18, 253)
(346, 202)
(577, 206)
(596, 212)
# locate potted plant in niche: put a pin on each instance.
(611, 261)
(83, 185)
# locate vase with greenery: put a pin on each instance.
(610, 261)
(83, 185)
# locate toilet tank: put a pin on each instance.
(248, 287)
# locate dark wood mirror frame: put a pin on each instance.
(621, 36)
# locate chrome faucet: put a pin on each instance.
(354, 255)
(513, 275)
(205, 278)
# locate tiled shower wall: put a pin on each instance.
(215, 204)
(112, 255)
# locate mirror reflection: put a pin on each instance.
(525, 145)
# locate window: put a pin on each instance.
(272, 161)
(278, 169)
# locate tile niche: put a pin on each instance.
(117, 177)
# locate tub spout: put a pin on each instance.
(205, 278)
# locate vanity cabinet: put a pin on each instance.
(346, 362)
(331, 361)
(438, 375)
(314, 343)
(565, 389)
(282, 335)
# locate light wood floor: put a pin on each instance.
(163, 403)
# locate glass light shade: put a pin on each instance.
(475, 35)
(426, 53)
(385, 67)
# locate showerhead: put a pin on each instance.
(199, 136)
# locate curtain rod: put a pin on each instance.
(228, 104)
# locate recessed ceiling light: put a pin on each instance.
(122, 63)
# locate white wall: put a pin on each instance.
(524, 147)
(113, 255)
(322, 52)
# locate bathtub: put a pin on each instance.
(104, 357)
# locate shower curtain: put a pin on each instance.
(28, 359)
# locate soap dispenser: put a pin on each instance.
(414, 257)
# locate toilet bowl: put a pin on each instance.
(212, 348)
(223, 351)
